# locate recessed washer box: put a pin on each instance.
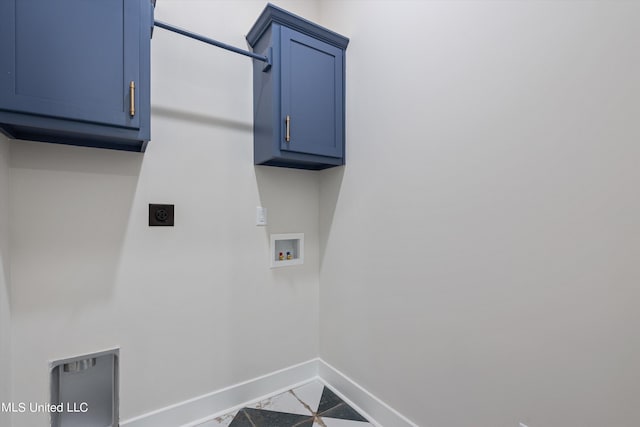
(84, 390)
(287, 249)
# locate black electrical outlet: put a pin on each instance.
(160, 215)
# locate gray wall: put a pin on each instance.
(5, 314)
(194, 308)
(477, 255)
(480, 249)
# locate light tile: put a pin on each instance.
(332, 422)
(310, 394)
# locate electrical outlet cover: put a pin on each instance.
(161, 215)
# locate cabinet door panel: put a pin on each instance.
(311, 95)
(71, 58)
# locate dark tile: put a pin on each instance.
(328, 400)
(241, 420)
(308, 423)
(343, 412)
(264, 418)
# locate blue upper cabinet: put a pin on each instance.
(76, 71)
(299, 99)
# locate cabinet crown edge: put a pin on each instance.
(273, 14)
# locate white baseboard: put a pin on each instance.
(229, 397)
(194, 411)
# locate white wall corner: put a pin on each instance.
(5, 310)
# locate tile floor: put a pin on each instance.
(310, 405)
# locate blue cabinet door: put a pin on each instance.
(298, 100)
(71, 59)
(312, 95)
